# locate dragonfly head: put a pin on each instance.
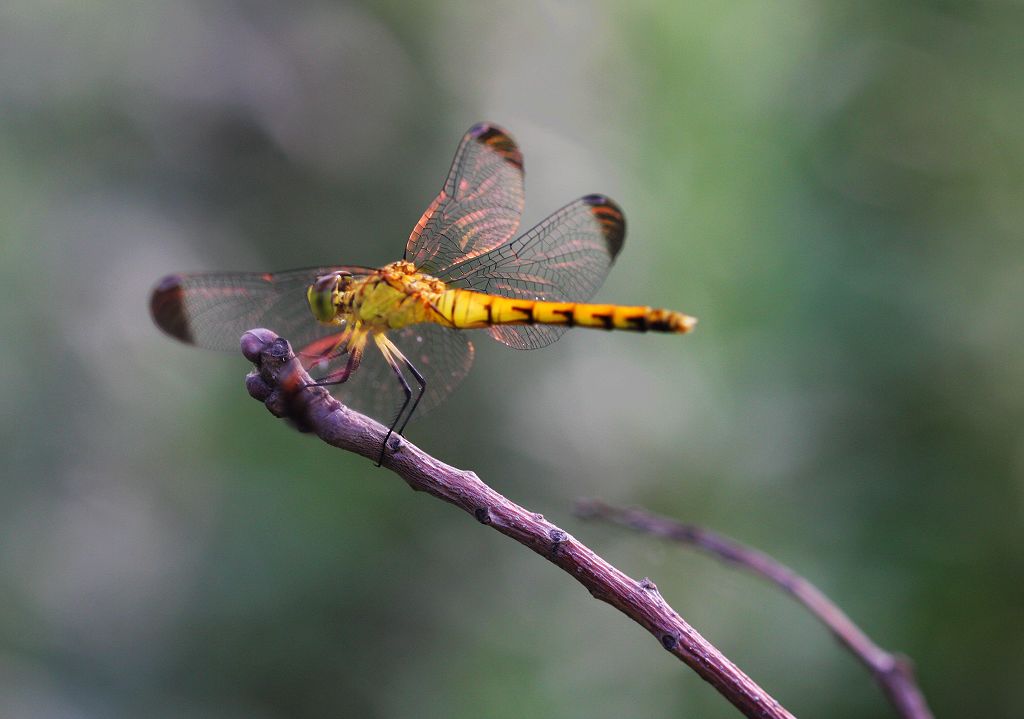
(324, 294)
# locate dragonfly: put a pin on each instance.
(373, 333)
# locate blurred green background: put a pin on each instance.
(835, 189)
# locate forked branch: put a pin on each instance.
(894, 673)
(279, 381)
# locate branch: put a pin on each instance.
(279, 382)
(894, 673)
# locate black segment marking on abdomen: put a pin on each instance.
(606, 319)
(528, 311)
(638, 321)
(569, 315)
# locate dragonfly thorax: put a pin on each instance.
(395, 296)
(403, 274)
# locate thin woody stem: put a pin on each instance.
(280, 382)
(893, 672)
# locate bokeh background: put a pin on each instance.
(835, 189)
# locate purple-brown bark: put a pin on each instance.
(894, 673)
(279, 381)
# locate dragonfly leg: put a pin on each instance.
(421, 381)
(392, 356)
(355, 356)
(319, 354)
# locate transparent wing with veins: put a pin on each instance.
(442, 355)
(213, 309)
(479, 206)
(564, 258)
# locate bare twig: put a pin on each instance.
(894, 673)
(279, 382)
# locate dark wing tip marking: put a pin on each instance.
(167, 306)
(497, 139)
(482, 128)
(613, 222)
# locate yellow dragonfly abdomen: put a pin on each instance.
(466, 309)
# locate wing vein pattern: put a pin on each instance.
(479, 206)
(565, 258)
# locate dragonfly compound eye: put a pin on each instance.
(321, 296)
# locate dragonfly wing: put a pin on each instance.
(527, 337)
(442, 355)
(565, 258)
(212, 310)
(479, 206)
